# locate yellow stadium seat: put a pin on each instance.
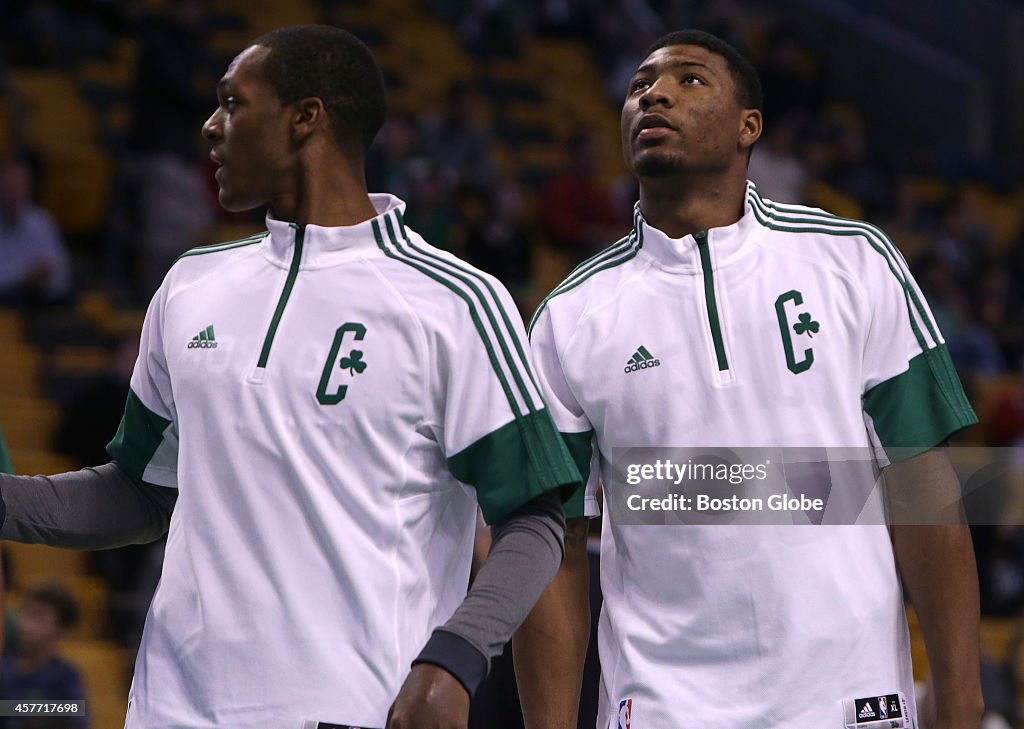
(33, 563)
(19, 370)
(35, 462)
(11, 328)
(28, 422)
(103, 666)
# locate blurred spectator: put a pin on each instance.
(494, 234)
(431, 210)
(35, 671)
(849, 171)
(174, 208)
(459, 143)
(93, 415)
(963, 240)
(49, 33)
(775, 164)
(393, 153)
(624, 60)
(577, 213)
(1005, 424)
(34, 266)
(973, 346)
(791, 78)
(489, 27)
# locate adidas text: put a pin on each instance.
(634, 366)
(202, 344)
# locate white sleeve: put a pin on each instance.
(498, 435)
(568, 414)
(912, 395)
(146, 443)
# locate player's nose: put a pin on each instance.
(656, 93)
(212, 127)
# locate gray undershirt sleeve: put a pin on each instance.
(95, 508)
(526, 552)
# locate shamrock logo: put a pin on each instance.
(354, 362)
(806, 325)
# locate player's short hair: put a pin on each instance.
(334, 66)
(748, 84)
(58, 598)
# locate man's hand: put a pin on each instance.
(430, 698)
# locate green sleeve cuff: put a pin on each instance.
(581, 448)
(515, 463)
(921, 407)
(138, 436)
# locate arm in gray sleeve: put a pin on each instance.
(95, 508)
(525, 554)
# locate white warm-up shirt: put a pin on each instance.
(331, 404)
(791, 328)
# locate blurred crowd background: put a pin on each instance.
(503, 139)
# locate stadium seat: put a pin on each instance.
(34, 563)
(104, 669)
(21, 366)
(33, 462)
(29, 422)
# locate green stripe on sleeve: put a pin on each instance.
(140, 434)
(917, 410)
(507, 467)
(621, 256)
(5, 458)
(474, 315)
(449, 269)
(226, 246)
(581, 448)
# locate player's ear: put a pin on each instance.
(307, 115)
(750, 128)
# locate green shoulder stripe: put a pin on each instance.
(616, 255)
(473, 313)
(873, 234)
(811, 225)
(226, 246)
(470, 277)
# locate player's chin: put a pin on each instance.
(235, 201)
(654, 163)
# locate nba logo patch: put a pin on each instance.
(625, 712)
(883, 709)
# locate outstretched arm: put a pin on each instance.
(95, 508)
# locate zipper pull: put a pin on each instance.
(701, 236)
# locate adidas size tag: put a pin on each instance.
(314, 724)
(876, 712)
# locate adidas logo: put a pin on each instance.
(641, 360)
(204, 340)
(867, 712)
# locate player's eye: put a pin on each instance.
(638, 85)
(692, 79)
(230, 103)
